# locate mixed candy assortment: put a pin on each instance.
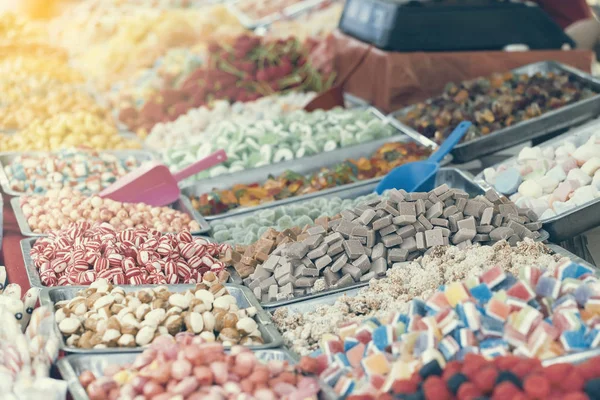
(552, 180)
(267, 141)
(540, 313)
(291, 184)
(105, 316)
(198, 370)
(247, 70)
(85, 171)
(84, 253)
(59, 209)
(493, 103)
(363, 241)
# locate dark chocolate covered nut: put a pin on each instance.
(344, 281)
(396, 255)
(486, 216)
(367, 216)
(406, 208)
(318, 252)
(402, 220)
(406, 231)
(335, 248)
(387, 230)
(423, 220)
(435, 210)
(322, 262)
(353, 271)
(439, 222)
(501, 233)
(382, 222)
(316, 230)
(391, 240)
(421, 207)
(410, 244)
(353, 248)
(485, 229)
(463, 234)
(434, 237)
(467, 223)
(339, 263)
(363, 263)
(445, 231)
(420, 239)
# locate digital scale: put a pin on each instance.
(451, 25)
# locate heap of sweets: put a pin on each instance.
(291, 184)
(112, 44)
(319, 22)
(506, 377)
(494, 103)
(104, 316)
(189, 367)
(552, 180)
(26, 358)
(246, 70)
(197, 121)
(538, 313)
(66, 130)
(59, 209)
(83, 253)
(291, 136)
(85, 171)
(402, 283)
(362, 242)
(167, 71)
(18, 305)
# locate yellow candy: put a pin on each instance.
(376, 364)
(456, 293)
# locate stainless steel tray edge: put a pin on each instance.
(526, 130)
(183, 204)
(270, 333)
(566, 253)
(32, 272)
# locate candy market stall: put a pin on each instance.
(280, 273)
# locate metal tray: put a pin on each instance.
(455, 178)
(579, 219)
(183, 205)
(32, 272)
(7, 158)
(243, 295)
(304, 166)
(292, 10)
(548, 122)
(573, 257)
(72, 366)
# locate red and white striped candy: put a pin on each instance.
(58, 265)
(101, 265)
(164, 249)
(187, 250)
(172, 279)
(115, 260)
(86, 278)
(80, 266)
(119, 278)
(184, 236)
(136, 280)
(195, 262)
(128, 263)
(208, 261)
(130, 273)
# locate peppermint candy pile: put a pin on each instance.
(85, 252)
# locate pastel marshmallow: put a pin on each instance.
(585, 152)
(596, 180)
(557, 172)
(539, 206)
(591, 166)
(530, 188)
(564, 189)
(584, 195)
(530, 153)
(507, 182)
(489, 174)
(563, 151)
(549, 213)
(580, 176)
(548, 153)
(569, 164)
(562, 207)
(548, 184)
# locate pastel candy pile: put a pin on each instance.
(362, 242)
(506, 377)
(85, 171)
(552, 180)
(538, 314)
(198, 121)
(268, 141)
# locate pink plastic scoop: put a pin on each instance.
(154, 184)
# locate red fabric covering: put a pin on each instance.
(11, 256)
(565, 12)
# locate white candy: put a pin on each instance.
(591, 166)
(548, 184)
(585, 152)
(563, 151)
(596, 180)
(549, 213)
(579, 176)
(530, 153)
(548, 153)
(489, 174)
(530, 188)
(539, 206)
(558, 173)
(584, 195)
(561, 207)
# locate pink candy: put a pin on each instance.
(85, 252)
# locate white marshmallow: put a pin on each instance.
(557, 172)
(530, 153)
(489, 174)
(548, 184)
(591, 166)
(549, 213)
(530, 188)
(579, 176)
(585, 152)
(563, 152)
(584, 195)
(539, 206)
(560, 207)
(548, 153)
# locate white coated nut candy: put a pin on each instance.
(224, 302)
(179, 300)
(69, 325)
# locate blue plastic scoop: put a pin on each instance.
(420, 175)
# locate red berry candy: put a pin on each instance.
(404, 386)
(435, 389)
(485, 379)
(468, 391)
(505, 363)
(575, 396)
(522, 369)
(557, 372)
(451, 368)
(573, 382)
(537, 386)
(505, 390)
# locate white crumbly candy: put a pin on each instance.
(555, 178)
(403, 282)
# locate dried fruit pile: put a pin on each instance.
(291, 184)
(495, 102)
(247, 70)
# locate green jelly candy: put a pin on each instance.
(250, 238)
(253, 228)
(300, 210)
(249, 221)
(285, 222)
(304, 220)
(314, 214)
(222, 236)
(240, 236)
(262, 230)
(218, 227)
